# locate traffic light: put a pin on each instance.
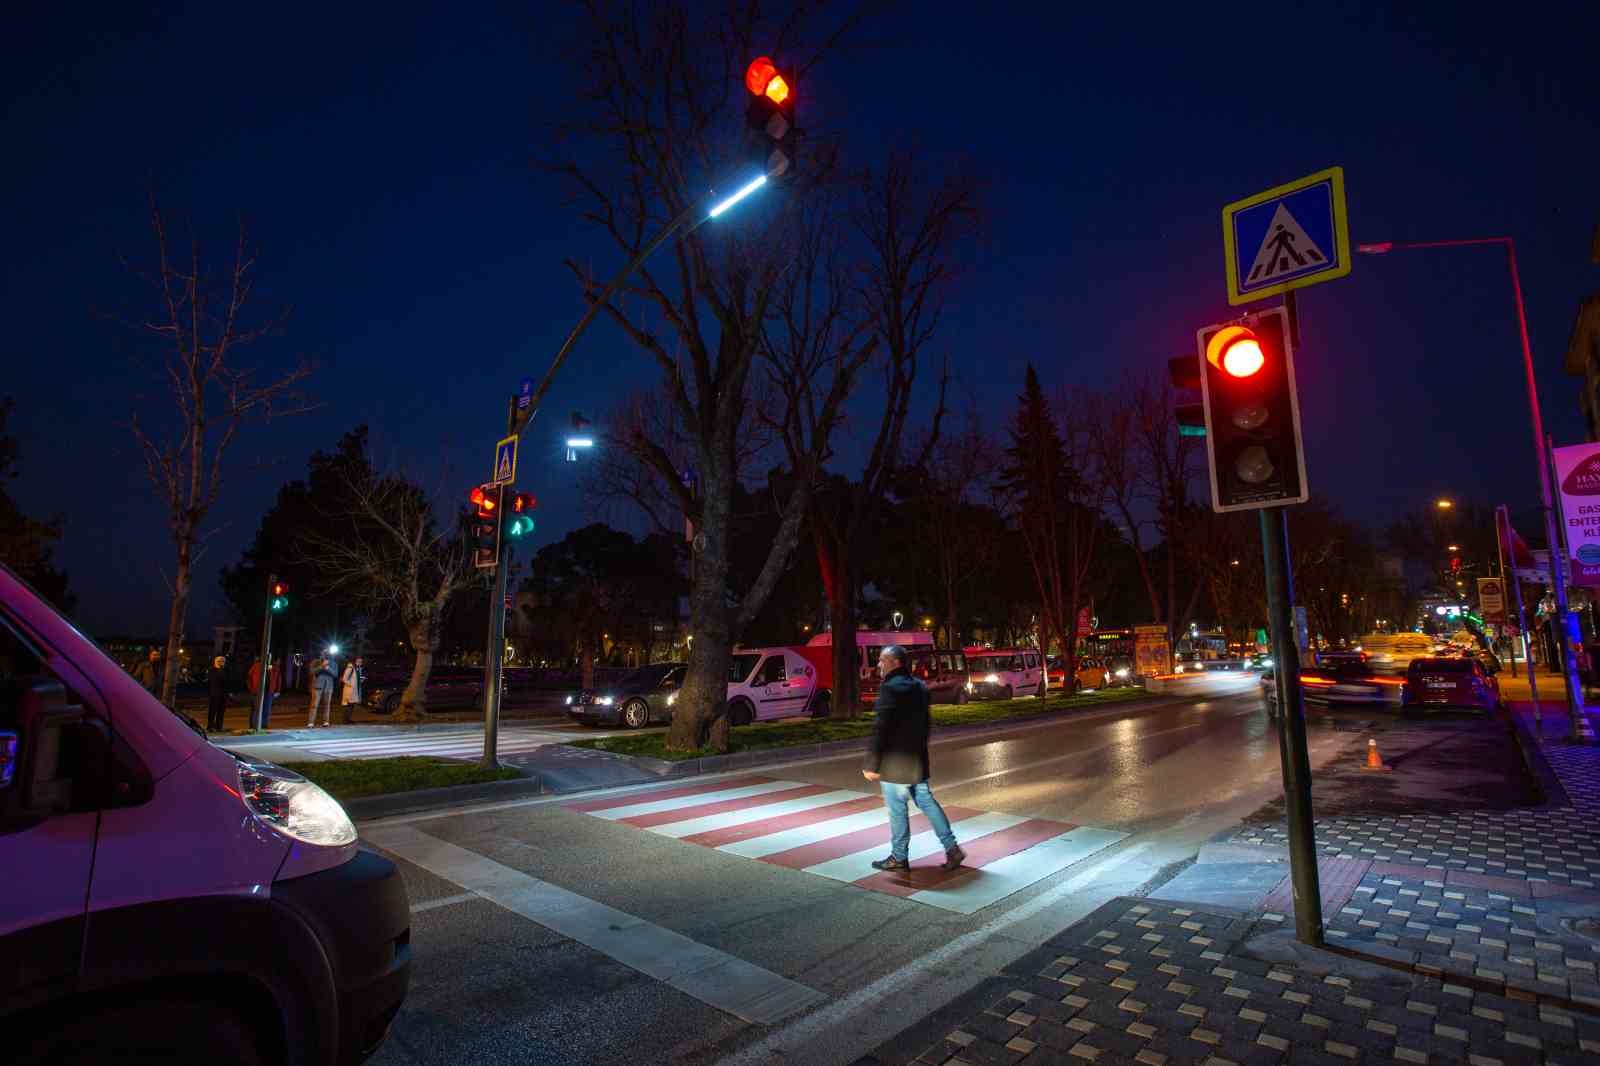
(278, 595)
(1252, 413)
(771, 117)
(1187, 411)
(483, 525)
(519, 514)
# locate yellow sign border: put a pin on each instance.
(511, 440)
(1341, 236)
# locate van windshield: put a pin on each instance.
(740, 665)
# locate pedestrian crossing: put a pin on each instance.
(837, 833)
(466, 744)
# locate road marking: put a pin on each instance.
(1080, 753)
(435, 904)
(713, 977)
(839, 833)
(790, 1042)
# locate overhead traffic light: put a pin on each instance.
(518, 521)
(771, 118)
(1252, 413)
(277, 595)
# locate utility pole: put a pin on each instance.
(258, 713)
(494, 653)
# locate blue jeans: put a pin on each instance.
(895, 798)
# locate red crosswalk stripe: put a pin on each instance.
(715, 838)
(980, 852)
(701, 810)
(664, 794)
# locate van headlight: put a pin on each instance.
(1122, 671)
(991, 679)
(969, 686)
(569, 701)
(672, 698)
(294, 806)
(605, 701)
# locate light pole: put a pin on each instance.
(1558, 582)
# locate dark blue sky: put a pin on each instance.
(385, 160)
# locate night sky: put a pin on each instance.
(384, 157)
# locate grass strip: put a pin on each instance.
(764, 736)
(348, 779)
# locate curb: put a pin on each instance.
(368, 808)
(1539, 768)
(714, 764)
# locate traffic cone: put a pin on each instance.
(1374, 760)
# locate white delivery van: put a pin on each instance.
(164, 900)
(767, 683)
(1001, 673)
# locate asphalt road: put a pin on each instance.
(545, 934)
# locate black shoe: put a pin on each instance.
(891, 863)
(954, 858)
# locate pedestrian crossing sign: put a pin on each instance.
(1287, 237)
(505, 462)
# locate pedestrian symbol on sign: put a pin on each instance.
(1285, 250)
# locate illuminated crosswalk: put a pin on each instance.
(837, 833)
(465, 744)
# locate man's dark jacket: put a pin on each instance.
(899, 750)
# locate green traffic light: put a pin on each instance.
(279, 602)
(520, 526)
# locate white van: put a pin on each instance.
(164, 900)
(1001, 673)
(767, 683)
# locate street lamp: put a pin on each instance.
(1443, 504)
(1452, 547)
(1575, 713)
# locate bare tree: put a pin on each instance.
(660, 107)
(957, 470)
(1112, 422)
(198, 325)
(1165, 468)
(397, 556)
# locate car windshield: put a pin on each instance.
(741, 664)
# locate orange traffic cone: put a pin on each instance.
(1374, 760)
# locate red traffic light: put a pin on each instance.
(762, 79)
(1236, 351)
(522, 502)
(279, 588)
(483, 498)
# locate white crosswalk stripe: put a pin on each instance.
(838, 833)
(443, 745)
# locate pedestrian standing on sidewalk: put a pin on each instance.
(218, 705)
(274, 686)
(149, 673)
(323, 675)
(898, 761)
(350, 694)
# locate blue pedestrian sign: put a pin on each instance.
(505, 462)
(1287, 238)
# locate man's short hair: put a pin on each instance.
(895, 652)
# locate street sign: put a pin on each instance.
(505, 462)
(1287, 237)
(1578, 468)
(1492, 600)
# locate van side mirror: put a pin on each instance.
(34, 716)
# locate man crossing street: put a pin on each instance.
(898, 761)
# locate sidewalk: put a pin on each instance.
(1457, 931)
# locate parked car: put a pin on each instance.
(1454, 681)
(1001, 673)
(450, 688)
(168, 901)
(641, 697)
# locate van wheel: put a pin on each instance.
(636, 714)
(822, 706)
(961, 697)
(391, 705)
(740, 713)
(175, 1031)
(1008, 694)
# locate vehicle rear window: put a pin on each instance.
(1441, 666)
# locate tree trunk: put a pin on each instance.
(703, 700)
(585, 660)
(414, 701)
(175, 621)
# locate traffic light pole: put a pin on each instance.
(1292, 749)
(258, 713)
(494, 654)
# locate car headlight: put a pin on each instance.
(605, 701)
(1122, 671)
(1199, 666)
(969, 686)
(569, 701)
(1266, 664)
(671, 699)
(294, 806)
(1178, 669)
(992, 679)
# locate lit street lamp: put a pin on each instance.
(1575, 712)
(1443, 504)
